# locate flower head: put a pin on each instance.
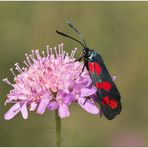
(51, 81)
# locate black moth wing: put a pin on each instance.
(113, 93)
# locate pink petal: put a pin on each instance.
(22, 97)
(13, 111)
(88, 106)
(42, 106)
(88, 81)
(53, 105)
(63, 111)
(67, 99)
(24, 111)
(88, 92)
(33, 106)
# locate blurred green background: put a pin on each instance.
(118, 30)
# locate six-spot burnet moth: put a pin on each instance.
(107, 93)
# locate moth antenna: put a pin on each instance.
(63, 34)
(72, 26)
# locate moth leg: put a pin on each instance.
(85, 101)
(82, 70)
(85, 65)
(88, 98)
(80, 58)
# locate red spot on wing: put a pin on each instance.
(103, 85)
(91, 67)
(105, 100)
(106, 85)
(97, 68)
(99, 85)
(112, 103)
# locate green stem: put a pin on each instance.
(58, 129)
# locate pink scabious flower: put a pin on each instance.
(51, 81)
